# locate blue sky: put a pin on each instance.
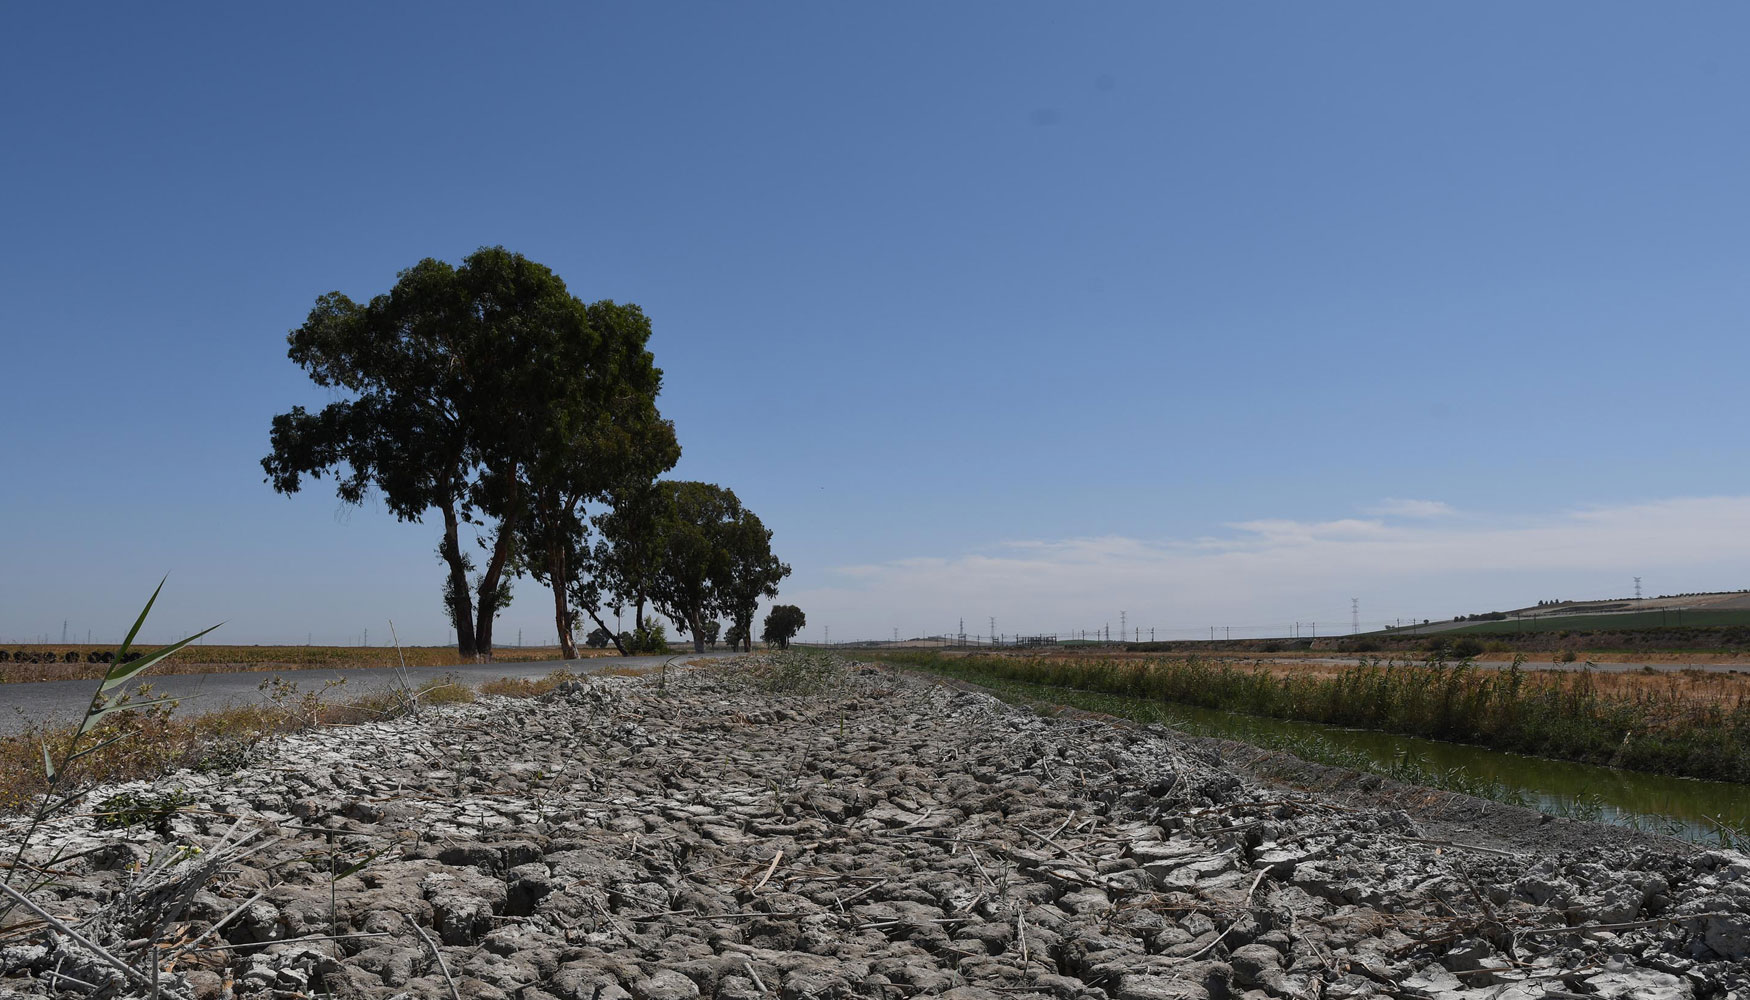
(1004, 310)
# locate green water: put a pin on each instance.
(1710, 812)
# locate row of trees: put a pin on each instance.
(489, 394)
(782, 624)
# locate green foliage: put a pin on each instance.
(598, 639)
(782, 624)
(736, 636)
(1448, 647)
(650, 638)
(708, 556)
(110, 704)
(486, 392)
(797, 671)
(129, 809)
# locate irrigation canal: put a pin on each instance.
(1682, 807)
(23, 704)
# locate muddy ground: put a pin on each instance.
(780, 829)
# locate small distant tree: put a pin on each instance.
(782, 624)
(711, 630)
(750, 571)
(598, 639)
(620, 570)
(735, 636)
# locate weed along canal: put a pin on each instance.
(1684, 807)
(1702, 811)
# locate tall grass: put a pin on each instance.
(1561, 714)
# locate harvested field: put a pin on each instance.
(787, 827)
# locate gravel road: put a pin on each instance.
(879, 836)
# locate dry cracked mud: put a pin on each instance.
(874, 836)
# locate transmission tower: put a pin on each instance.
(1637, 588)
(1354, 616)
(1122, 628)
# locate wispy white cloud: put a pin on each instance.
(1394, 507)
(1284, 570)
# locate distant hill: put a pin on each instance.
(1666, 611)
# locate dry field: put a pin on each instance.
(1696, 687)
(1692, 686)
(235, 659)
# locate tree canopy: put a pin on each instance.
(692, 550)
(782, 624)
(489, 393)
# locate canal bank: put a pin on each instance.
(1705, 812)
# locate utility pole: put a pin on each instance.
(1354, 616)
(1637, 588)
(63, 631)
(367, 637)
(519, 638)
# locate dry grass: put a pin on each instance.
(1692, 723)
(153, 741)
(529, 687)
(1684, 686)
(1690, 687)
(235, 659)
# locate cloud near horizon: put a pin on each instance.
(1394, 507)
(1267, 573)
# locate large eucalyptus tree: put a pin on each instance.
(486, 392)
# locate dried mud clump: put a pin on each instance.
(792, 828)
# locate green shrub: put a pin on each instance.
(651, 638)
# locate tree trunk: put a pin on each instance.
(638, 614)
(486, 599)
(694, 626)
(613, 636)
(561, 603)
(464, 610)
